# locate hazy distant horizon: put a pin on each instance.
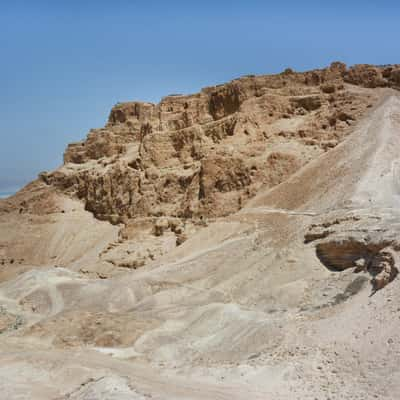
(4, 195)
(65, 64)
(7, 188)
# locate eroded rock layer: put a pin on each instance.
(206, 154)
(269, 302)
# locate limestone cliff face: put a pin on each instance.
(206, 154)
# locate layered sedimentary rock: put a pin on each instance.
(364, 240)
(198, 157)
(181, 300)
(206, 154)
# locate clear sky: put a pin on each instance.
(64, 63)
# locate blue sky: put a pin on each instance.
(63, 64)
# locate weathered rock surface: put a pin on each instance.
(365, 241)
(202, 156)
(372, 76)
(268, 302)
(207, 154)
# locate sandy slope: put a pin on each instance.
(244, 309)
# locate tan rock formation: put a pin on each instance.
(257, 212)
(208, 153)
(365, 242)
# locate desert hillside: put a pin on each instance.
(236, 243)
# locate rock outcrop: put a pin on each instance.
(196, 157)
(206, 154)
(364, 240)
(372, 76)
(268, 302)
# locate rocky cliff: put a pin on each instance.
(296, 295)
(205, 155)
(163, 170)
